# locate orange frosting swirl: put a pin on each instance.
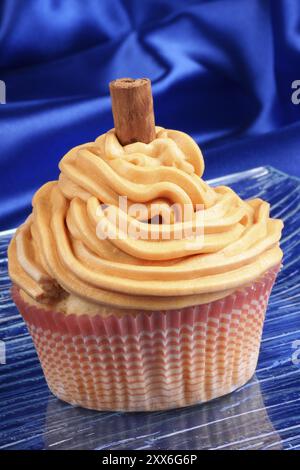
(57, 251)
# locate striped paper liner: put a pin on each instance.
(152, 360)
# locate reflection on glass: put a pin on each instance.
(237, 421)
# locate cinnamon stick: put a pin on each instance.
(132, 107)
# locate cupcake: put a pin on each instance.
(143, 288)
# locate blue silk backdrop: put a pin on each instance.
(221, 70)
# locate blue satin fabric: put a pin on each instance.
(221, 70)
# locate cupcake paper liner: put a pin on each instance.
(152, 360)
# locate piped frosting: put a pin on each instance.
(58, 252)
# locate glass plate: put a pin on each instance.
(264, 414)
